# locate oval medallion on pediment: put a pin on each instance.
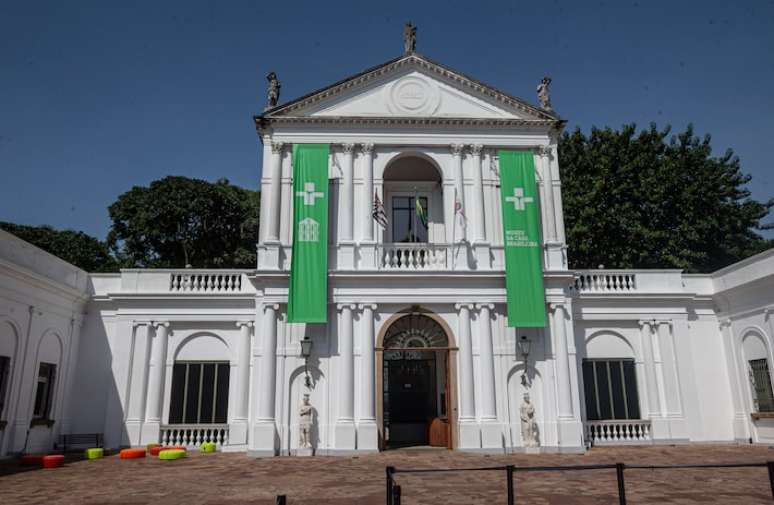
(413, 96)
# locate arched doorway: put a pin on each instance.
(417, 404)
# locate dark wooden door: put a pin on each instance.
(410, 396)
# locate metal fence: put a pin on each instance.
(394, 491)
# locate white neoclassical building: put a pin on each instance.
(417, 349)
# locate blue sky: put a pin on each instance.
(96, 97)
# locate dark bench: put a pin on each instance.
(81, 441)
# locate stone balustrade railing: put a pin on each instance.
(413, 256)
(194, 435)
(205, 282)
(618, 432)
(605, 281)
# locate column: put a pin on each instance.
(646, 335)
(72, 366)
(544, 154)
(155, 401)
(672, 405)
(491, 431)
(556, 190)
(345, 215)
(138, 383)
(469, 433)
(345, 423)
(368, 192)
(477, 210)
(265, 440)
(274, 204)
(569, 428)
(238, 429)
(564, 396)
(480, 244)
(367, 432)
(459, 185)
(736, 376)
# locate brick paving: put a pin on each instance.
(233, 479)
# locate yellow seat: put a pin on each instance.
(170, 454)
(208, 447)
(94, 453)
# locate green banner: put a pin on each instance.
(521, 234)
(308, 297)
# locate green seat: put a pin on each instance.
(94, 453)
(207, 447)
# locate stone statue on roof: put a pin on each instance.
(409, 38)
(544, 95)
(273, 92)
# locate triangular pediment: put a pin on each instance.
(410, 86)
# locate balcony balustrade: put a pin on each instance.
(194, 435)
(413, 256)
(618, 432)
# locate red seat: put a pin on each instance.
(131, 453)
(53, 461)
(31, 459)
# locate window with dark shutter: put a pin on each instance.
(199, 393)
(610, 388)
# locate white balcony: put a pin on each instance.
(413, 256)
(193, 435)
(636, 282)
(618, 432)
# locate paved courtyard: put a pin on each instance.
(236, 479)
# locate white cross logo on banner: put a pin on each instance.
(518, 199)
(309, 193)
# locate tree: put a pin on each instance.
(178, 221)
(639, 201)
(76, 247)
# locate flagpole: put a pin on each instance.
(414, 220)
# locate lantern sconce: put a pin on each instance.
(306, 351)
(524, 344)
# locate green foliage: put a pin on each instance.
(178, 221)
(638, 200)
(83, 251)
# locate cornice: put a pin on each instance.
(261, 123)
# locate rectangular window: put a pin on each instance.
(761, 382)
(5, 368)
(44, 394)
(610, 387)
(199, 393)
(407, 226)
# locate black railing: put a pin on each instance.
(394, 491)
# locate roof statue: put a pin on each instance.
(544, 95)
(409, 38)
(273, 91)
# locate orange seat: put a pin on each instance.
(131, 453)
(53, 461)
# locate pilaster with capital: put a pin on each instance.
(486, 353)
(459, 185)
(564, 386)
(155, 393)
(345, 422)
(368, 191)
(244, 349)
(479, 229)
(265, 441)
(467, 391)
(347, 195)
(646, 336)
(274, 204)
(470, 432)
(138, 382)
(367, 431)
(738, 374)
